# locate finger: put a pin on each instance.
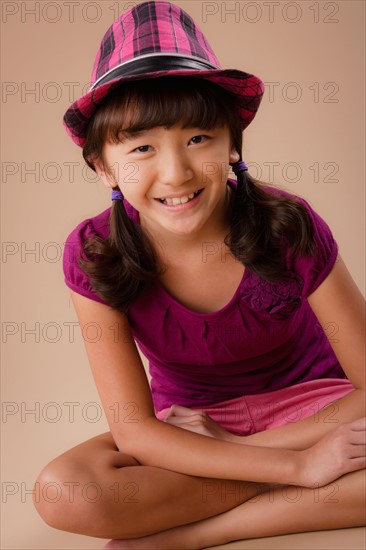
(179, 410)
(174, 411)
(358, 451)
(177, 420)
(357, 463)
(358, 425)
(357, 437)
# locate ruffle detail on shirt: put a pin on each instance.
(280, 300)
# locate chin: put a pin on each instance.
(185, 231)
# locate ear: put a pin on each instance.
(234, 155)
(106, 178)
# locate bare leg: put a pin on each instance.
(95, 490)
(280, 511)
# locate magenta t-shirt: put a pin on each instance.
(266, 338)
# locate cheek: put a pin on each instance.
(132, 192)
(133, 185)
(129, 178)
(217, 163)
(126, 173)
(213, 168)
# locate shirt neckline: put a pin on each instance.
(204, 315)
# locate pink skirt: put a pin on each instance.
(255, 413)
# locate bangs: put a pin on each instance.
(166, 101)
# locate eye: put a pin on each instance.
(200, 138)
(138, 149)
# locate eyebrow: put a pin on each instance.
(131, 135)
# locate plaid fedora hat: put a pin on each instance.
(151, 40)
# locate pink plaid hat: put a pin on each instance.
(151, 40)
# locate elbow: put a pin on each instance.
(128, 445)
(137, 441)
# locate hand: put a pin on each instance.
(339, 452)
(196, 421)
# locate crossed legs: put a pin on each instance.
(95, 490)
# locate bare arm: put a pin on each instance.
(298, 435)
(125, 393)
(305, 433)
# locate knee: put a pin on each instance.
(62, 492)
(79, 498)
(49, 495)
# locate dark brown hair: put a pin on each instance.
(262, 224)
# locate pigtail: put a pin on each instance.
(131, 242)
(263, 225)
(124, 263)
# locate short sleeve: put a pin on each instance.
(312, 270)
(75, 278)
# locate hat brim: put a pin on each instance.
(248, 89)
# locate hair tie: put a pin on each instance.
(117, 195)
(239, 166)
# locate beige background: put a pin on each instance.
(311, 122)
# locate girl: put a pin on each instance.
(225, 285)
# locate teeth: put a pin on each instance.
(178, 200)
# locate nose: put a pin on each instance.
(175, 167)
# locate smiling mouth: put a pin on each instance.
(180, 200)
